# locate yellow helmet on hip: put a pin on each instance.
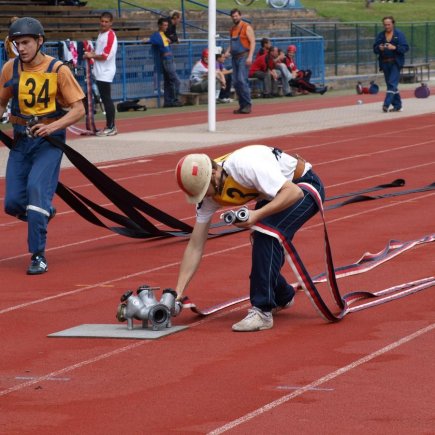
(193, 173)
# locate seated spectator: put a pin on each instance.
(265, 46)
(225, 93)
(263, 68)
(283, 71)
(199, 76)
(301, 78)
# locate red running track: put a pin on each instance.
(370, 373)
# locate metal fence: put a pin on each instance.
(349, 46)
(137, 75)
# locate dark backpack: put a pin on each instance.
(422, 91)
(130, 106)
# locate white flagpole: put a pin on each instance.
(212, 65)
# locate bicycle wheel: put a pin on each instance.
(278, 4)
(244, 2)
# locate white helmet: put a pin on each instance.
(193, 173)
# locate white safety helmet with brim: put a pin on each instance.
(193, 173)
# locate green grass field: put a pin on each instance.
(343, 10)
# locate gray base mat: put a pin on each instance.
(116, 331)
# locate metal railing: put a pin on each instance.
(349, 46)
(137, 74)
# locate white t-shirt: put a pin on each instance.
(254, 167)
(107, 44)
(199, 72)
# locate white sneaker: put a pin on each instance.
(283, 307)
(256, 320)
(107, 132)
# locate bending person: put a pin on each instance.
(270, 177)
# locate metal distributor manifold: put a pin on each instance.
(144, 306)
(241, 215)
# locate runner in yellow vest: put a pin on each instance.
(40, 87)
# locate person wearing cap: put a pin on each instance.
(301, 78)
(270, 177)
(40, 87)
(242, 47)
(199, 76)
(390, 46)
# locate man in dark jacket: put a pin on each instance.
(171, 32)
(391, 46)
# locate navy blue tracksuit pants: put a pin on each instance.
(392, 77)
(268, 288)
(32, 174)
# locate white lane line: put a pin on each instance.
(68, 369)
(117, 165)
(288, 387)
(341, 371)
(26, 378)
(104, 356)
(177, 192)
(177, 263)
(286, 150)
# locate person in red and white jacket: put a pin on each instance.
(104, 69)
(263, 68)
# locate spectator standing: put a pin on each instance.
(242, 48)
(104, 69)
(171, 82)
(171, 31)
(301, 78)
(11, 53)
(391, 46)
(33, 166)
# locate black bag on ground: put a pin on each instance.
(130, 106)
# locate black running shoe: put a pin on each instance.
(38, 265)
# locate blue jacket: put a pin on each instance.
(399, 40)
(160, 41)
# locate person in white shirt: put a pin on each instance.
(270, 177)
(104, 70)
(199, 76)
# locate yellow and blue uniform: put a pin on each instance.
(33, 166)
(171, 82)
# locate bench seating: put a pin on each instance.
(415, 72)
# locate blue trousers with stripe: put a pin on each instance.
(392, 77)
(268, 288)
(32, 173)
